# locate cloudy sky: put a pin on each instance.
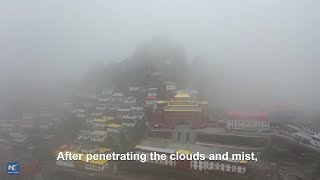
(270, 41)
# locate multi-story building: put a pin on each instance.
(182, 109)
(289, 130)
(18, 137)
(96, 114)
(170, 86)
(80, 113)
(114, 128)
(6, 126)
(135, 86)
(84, 135)
(45, 124)
(303, 137)
(136, 108)
(83, 163)
(311, 129)
(150, 100)
(314, 133)
(248, 121)
(100, 107)
(27, 120)
(129, 100)
(136, 89)
(47, 120)
(107, 92)
(151, 96)
(170, 90)
(89, 120)
(130, 115)
(152, 92)
(88, 149)
(142, 149)
(226, 166)
(128, 122)
(98, 136)
(99, 123)
(315, 140)
(124, 113)
(117, 98)
(108, 116)
(103, 99)
(113, 107)
(127, 113)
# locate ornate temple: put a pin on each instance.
(182, 109)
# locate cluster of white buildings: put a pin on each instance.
(15, 128)
(99, 132)
(315, 140)
(18, 137)
(108, 113)
(112, 107)
(154, 94)
(228, 166)
(7, 126)
(42, 120)
(98, 136)
(83, 163)
(106, 117)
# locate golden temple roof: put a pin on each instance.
(184, 151)
(182, 95)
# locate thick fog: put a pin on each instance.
(259, 51)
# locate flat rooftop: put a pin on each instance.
(316, 136)
(100, 120)
(113, 125)
(303, 135)
(99, 133)
(171, 146)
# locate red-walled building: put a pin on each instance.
(182, 109)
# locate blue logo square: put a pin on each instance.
(13, 168)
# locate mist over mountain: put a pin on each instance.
(246, 55)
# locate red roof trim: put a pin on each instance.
(248, 115)
(151, 97)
